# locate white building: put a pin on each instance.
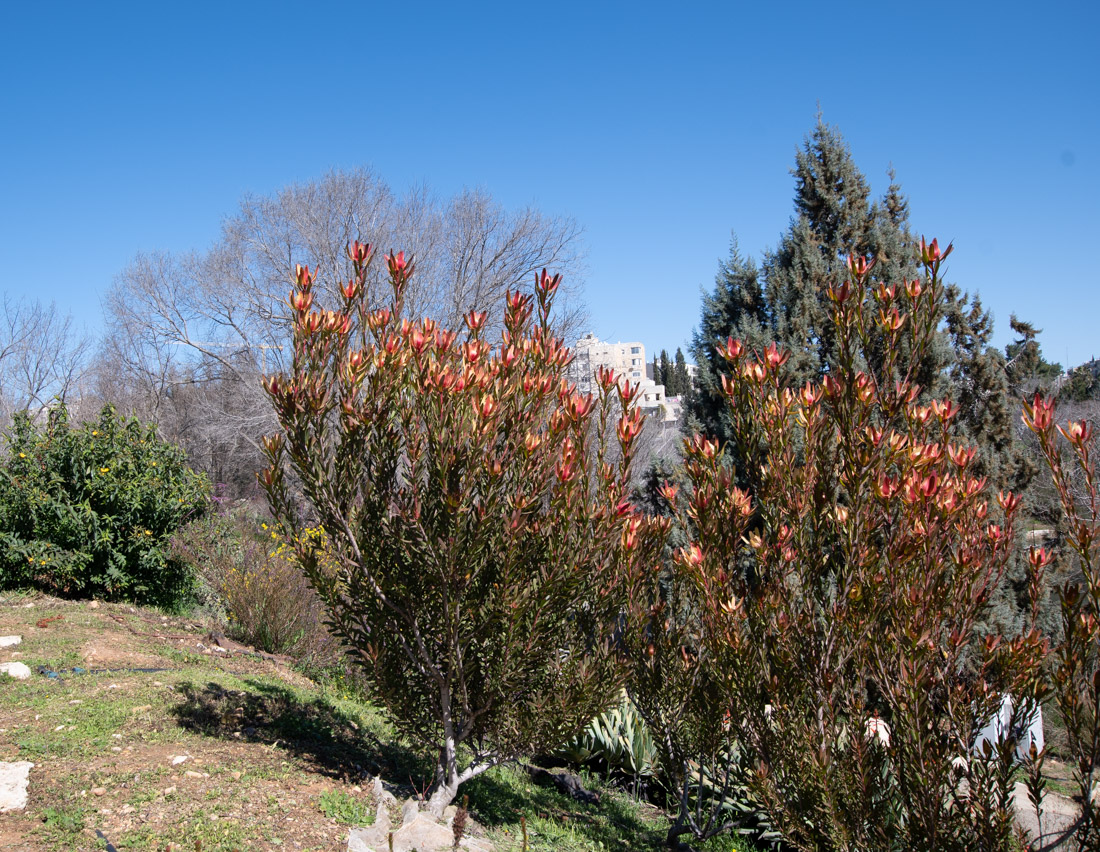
(625, 360)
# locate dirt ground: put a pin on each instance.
(146, 734)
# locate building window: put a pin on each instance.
(634, 350)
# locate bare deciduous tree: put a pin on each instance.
(42, 356)
(188, 336)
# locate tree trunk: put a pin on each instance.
(442, 795)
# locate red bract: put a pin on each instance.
(1076, 672)
(475, 523)
(841, 580)
(359, 253)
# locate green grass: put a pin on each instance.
(62, 822)
(300, 749)
(345, 808)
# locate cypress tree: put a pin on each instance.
(680, 374)
(1025, 365)
(667, 378)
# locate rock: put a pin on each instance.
(99, 791)
(566, 782)
(382, 795)
(13, 785)
(178, 759)
(190, 773)
(418, 831)
(19, 671)
(8, 641)
(168, 791)
(93, 605)
(235, 775)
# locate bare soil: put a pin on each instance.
(264, 754)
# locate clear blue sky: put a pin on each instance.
(659, 127)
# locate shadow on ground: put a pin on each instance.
(499, 798)
(315, 730)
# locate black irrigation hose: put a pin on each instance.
(76, 670)
(103, 837)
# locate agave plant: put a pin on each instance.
(619, 738)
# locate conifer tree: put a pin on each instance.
(680, 374)
(785, 301)
(666, 374)
(1027, 369)
(736, 308)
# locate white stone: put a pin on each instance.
(8, 641)
(418, 831)
(382, 795)
(19, 671)
(13, 785)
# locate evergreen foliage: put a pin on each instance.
(784, 301)
(1027, 369)
(88, 511)
(680, 379)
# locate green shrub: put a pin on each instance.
(252, 579)
(88, 511)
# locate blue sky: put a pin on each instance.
(659, 127)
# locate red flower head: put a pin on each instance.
(859, 266)
(840, 294)
(930, 252)
(1077, 432)
(359, 252)
(304, 277)
(731, 350)
(475, 320)
(546, 283)
(1039, 414)
(397, 262)
(774, 357)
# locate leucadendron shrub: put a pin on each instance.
(475, 506)
(1071, 459)
(831, 589)
(88, 511)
